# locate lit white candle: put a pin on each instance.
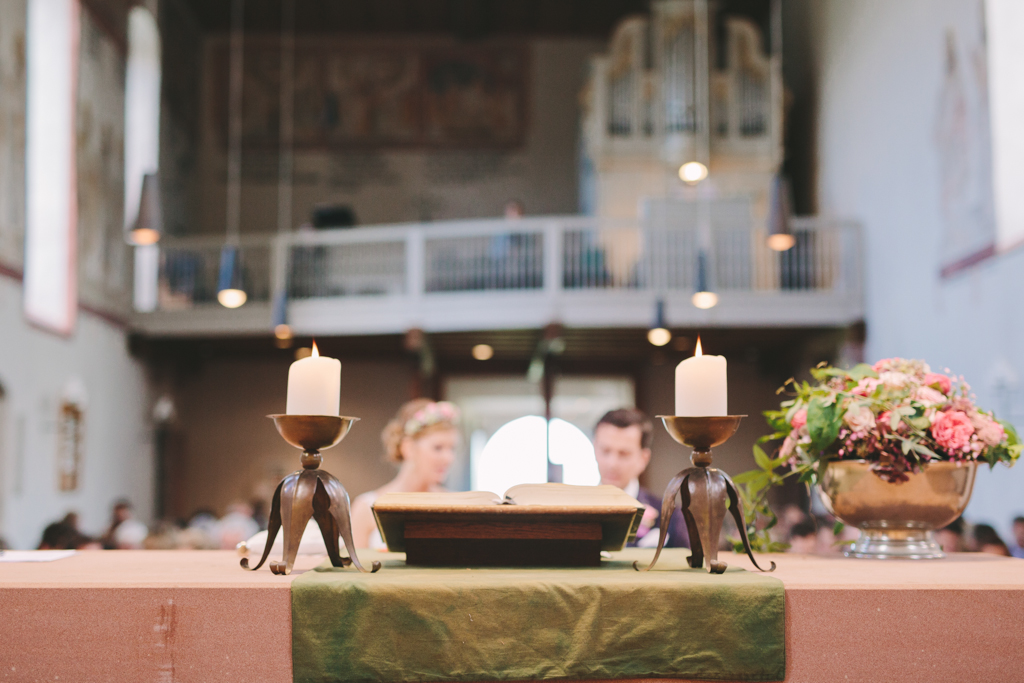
(701, 386)
(314, 385)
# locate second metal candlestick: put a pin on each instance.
(311, 493)
(704, 491)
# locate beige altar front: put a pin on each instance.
(187, 616)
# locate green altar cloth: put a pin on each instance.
(406, 624)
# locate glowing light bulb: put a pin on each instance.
(144, 236)
(659, 336)
(231, 298)
(692, 172)
(483, 352)
(705, 300)
(283, 331)
(781, 241)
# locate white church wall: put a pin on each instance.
(92, 364)
(903, 148)
(38, 370)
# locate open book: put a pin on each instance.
(554, 495)
(526, 509)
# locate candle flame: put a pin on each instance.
(316, 353)
(697, 351)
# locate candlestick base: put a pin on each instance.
(310, 493)
(703, 490)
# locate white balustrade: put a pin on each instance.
(560, 267)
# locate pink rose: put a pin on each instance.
(860, 420)
(952, 430)
(929, 396)
(788, 447)
(944, 383)
(894, 380)
(799, 419)
(990, 432)
(866, 387)
(882, 364)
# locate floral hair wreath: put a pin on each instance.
(431, 414)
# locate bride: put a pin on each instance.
(421, 440)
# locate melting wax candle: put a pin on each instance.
(314, 385)
(701, 386)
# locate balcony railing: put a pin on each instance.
(517, 273)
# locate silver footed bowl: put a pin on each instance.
(897, 520)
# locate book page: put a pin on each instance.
(567, 494)
(438, 499)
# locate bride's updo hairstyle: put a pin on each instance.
(415, 419)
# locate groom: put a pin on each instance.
(622, 447)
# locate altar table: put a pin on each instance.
(188, 616)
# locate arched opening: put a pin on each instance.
(517, 453)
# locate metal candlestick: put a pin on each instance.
(704, 490)
(311, 492)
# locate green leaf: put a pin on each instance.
(762, 459)
(894, 420)
(921, 423)
(823, 422)
(747, 477)
(862, 370)
(910, 445)
(837, 528)
(758, 483)
(1011, 433)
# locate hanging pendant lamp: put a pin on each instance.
(696, 168)
(780, 237)
(659, 335)
(282, 330)
(703, 298)
(230, 290)
(149, 223)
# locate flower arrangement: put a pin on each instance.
(896, 414)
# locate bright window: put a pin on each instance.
(517, 454)
(51, 200)
(1004, 23)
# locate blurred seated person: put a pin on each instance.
(421, 440)
(125, 532)
(513, 210)
(986, 540)
(235, 526)
(1017, 549)
(951, 537)
(803, 537)
(622, 448)
(64, 535)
